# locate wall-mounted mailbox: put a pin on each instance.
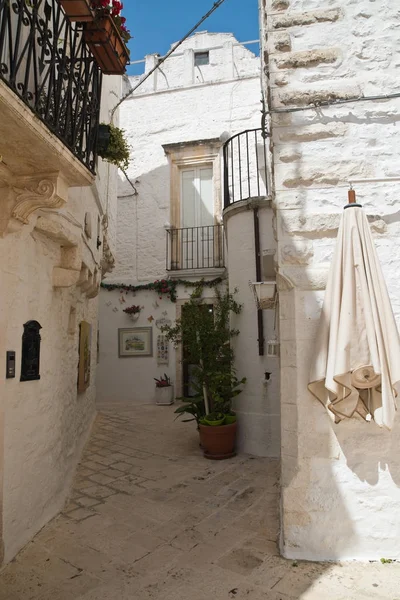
(10, 364)
(30, 359)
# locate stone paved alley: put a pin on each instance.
(149, 518)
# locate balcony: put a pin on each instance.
(50, 88)
(245, 167)
(195, 249)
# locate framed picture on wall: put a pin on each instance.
(135, 341)
(85, 342)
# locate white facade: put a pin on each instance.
(177, 122)
(340, 494)
(50, 271)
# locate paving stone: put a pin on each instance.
(93, 466)
(101, 478)
(97, 491)
(87, 502)
(103, 460)
(113, 473)
(80, 513)
(122, 466)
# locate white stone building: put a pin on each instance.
(340, 483)
(177, 122)
(57, 237)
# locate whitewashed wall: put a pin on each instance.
(46, 422)
(340, 494)
(258, 404)
(181, 109)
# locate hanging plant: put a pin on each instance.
(112, 146)
(132, 310)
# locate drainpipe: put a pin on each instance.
(257, 256)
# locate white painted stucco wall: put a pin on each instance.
(46, 422)
(258, 404)
(340, 484)
(183, 104)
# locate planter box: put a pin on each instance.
(107, 46)
(77, 10)
(165, 395)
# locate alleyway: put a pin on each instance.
(150, 518)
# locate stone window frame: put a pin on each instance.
(193, 154)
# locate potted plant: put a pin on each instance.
(164, 391)
(107, 36)
(112, 145)
(133, 312)
(206, 336)
(78, 10)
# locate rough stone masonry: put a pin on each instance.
(340, 493)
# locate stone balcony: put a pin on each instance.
(50, 88)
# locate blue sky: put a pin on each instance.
(156, 25)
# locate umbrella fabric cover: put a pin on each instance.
(356, 366)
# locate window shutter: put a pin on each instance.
(188, 198)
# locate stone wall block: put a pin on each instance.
(71, 258)
(297, 223)
(289, 156)
(289, 417)
(307, 58)
(312, 278)
(311, 133)
(305, 97)
(280, 41)
(306, 18)
(289, 470)
(280, 4)
(64, 277)
(297, 253)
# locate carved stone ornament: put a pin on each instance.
(32, 193)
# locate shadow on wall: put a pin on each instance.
(141, 236)
(358, 440)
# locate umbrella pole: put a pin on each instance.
(351, 194)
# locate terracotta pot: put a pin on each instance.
(77, 10)
(218, 443)
(107, 46)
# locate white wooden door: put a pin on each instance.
(197, 219)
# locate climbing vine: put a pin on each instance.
(162, 287)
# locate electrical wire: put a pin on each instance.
(331, 103)
(164, 58)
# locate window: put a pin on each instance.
(197, 197)
(201, 58)
(197, 236)
(195, 240)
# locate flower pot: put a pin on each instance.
(218, 442)
(134, 316)
(106, 45)
(77, 10)
(214, 423)
(229, 419)
(164, 396)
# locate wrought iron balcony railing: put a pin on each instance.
(195, 248)
(45, 61)
(245, 166)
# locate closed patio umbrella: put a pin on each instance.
(356, 365)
